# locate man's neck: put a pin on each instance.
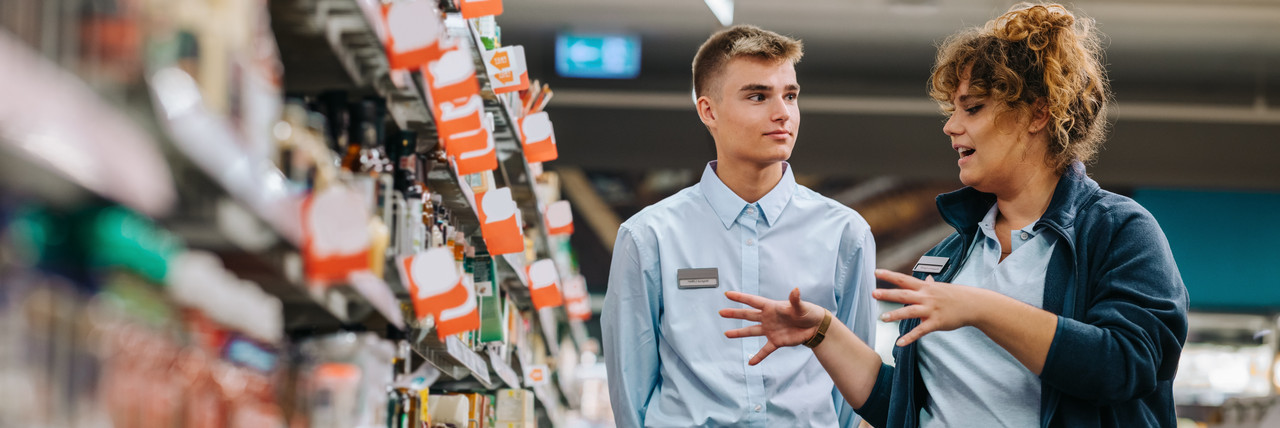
(749, 181)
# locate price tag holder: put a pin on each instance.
(439, 291)
(538, 137)
(543, 288)
(559, 218)
(507, 69)
(335, 241)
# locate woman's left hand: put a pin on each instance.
(939, 306)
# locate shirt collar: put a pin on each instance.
(729, 205)
(988, 224)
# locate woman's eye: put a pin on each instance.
(974, 109)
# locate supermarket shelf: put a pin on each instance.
(67, 130)
(501, 368)
(549, 399)
(511, 267)
(219, 163)
(209, 142)
(451, 357)
(514, 281)
(547, 395)
(455, 195)
(333, 46)
(515, 170)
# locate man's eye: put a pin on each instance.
(792, 97)
(756, 97)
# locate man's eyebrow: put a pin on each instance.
(793, 87)
(755, 87)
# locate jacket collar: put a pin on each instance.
(964, 208)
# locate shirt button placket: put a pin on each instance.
(751, 285)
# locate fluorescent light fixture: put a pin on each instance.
(723, 10)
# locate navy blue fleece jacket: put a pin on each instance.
(1121, 306)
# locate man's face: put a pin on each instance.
(755, 116)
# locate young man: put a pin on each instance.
(747, 226)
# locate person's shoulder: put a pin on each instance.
(1114, 209)
(809, 200)
(668, 210)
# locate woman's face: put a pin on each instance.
(998, 152)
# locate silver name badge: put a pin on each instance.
(931, 265)
(698, 278)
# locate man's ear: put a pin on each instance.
(1039, 116)
(706, 111)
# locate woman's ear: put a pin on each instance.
(1039, 116)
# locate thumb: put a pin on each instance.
(795, 300)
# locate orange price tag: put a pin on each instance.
(335, 239)
(559, 218)
(539, 138)
(499, 221)
(460, 115)
(535, 374)
(474, 151)
(414, 31)
(507, 69)
(477, 8)
(439, 291)
(451, 77)
(577, 302)
(542, 284)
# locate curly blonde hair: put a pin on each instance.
(1034, 53)
(738, 41)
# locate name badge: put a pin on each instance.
(931, 265)
(698, 278)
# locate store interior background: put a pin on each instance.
(1195, 138)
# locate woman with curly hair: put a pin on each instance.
(1054, 303)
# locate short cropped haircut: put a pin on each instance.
(739, 41)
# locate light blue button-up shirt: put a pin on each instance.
(972, 381)
(669, 362)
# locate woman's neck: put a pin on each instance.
(1027, 200)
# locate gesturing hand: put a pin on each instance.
(938, 305)
(782, 323)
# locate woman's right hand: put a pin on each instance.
(783, 323)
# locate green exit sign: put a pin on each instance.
(598, 56)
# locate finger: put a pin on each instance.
(915, 334)
(751, 331)
(913, 311)
(767, 349)
(928, 278)
(902, 280)
(906, 297)
(747, 299)
(795, 301)
(742, 314)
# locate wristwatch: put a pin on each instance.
(821, 333)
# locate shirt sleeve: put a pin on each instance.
(854, 306)
(1131, 334)
(629, 324)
